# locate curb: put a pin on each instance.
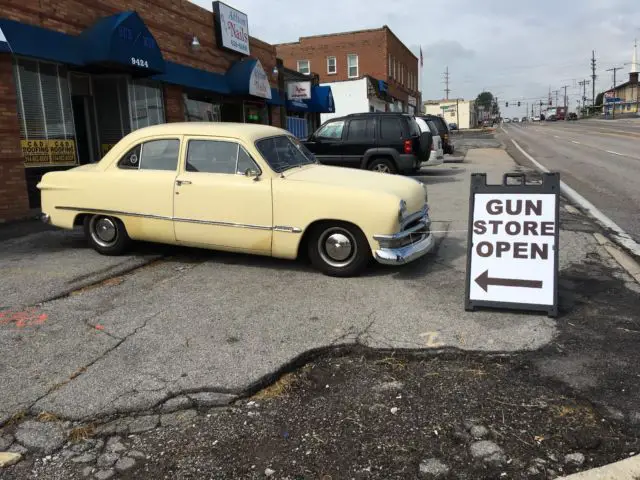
(627, 469)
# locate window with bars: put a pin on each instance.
(47, 132)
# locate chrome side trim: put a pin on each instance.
(283, 228)
(277, 228)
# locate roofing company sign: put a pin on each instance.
(299, 90)
(232, 28)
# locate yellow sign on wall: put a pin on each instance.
(105, 147)
(39, 153)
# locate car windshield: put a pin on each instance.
(284, 152)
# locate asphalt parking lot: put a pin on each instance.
(86, 336)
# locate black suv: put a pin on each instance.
(443, 131)
(379, 141)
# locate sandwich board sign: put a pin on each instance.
(512, 247)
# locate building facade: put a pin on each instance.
(458, 111)
(359, 63)
(624, 99)
(75, 77)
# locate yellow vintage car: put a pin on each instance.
(243, 188)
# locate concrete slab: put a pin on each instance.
(208, 321)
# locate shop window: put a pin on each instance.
(153, 155)
(145, 104)
(304, 66)
(200, 110)
(352, 66)
(331, 65)
(215, 156)
(47, 132)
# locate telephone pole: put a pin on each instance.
(556, 92)
(565, 96)
(593, 77)
(446, 82)
(583, 84)
(614, 70)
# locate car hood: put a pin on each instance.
(405, 188)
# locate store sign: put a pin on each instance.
(232, 28)
(412, 101)
(38, 153)
(299, 90)
(513, 244)
(259, 82)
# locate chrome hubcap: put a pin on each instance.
(104, 231)
(382, 168)
(337, 247)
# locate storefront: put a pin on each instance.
(78, 95)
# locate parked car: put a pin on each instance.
(536, 118)
(437, 151)
(379, 141)
(524, 119)
(243, 188)
(453, 126)
(507, 120)
(516, 120)
(572, 116)
(443, 130)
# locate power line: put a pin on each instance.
(593, 77)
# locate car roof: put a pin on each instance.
(248, 131)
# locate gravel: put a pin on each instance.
(433, 468)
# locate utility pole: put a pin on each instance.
(556, 92)
(565, 96)
(583, 84)
(446, 82)
(593, 77)
(614, 70)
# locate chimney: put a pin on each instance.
(633, 71)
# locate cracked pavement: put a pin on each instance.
(98, 336)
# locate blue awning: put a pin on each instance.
(247, 77)
(321, 101)
(193, 78)
(122, 39)
(31, 41)
(276, 98)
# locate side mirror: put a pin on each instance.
(252, 173)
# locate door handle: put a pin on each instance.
(183, 182)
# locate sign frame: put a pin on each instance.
(225, 40)
(550, 185)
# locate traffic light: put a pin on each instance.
(506, 104)
(518, 103)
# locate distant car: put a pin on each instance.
(437, 152)
(386, 142)
(516, 120)
(507, 120)
(536, 118)
(453, 126)
(525, 119)
(572, 116)
(443, 130)
(552, 118)
(242, 188)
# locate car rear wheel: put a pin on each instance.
(107, 235)
(339, 249)
(382, 165)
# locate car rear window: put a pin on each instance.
(391, 128)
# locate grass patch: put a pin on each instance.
(278, 389)
(84, 432)
(47, 417)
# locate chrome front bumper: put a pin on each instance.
(415, 227)
(399, 256)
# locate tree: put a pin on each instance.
(485, 100)
(599, 98)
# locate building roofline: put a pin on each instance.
(388, 29)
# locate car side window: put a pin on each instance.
(390, 129)
(332, 130)
(361, 129)
(218, 156)
(152, 155)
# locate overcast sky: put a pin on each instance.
(516, 49)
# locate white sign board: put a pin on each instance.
(232, 28)
(298, 90)
(259, 82)
(512, 254)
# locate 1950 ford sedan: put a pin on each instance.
(242, 188)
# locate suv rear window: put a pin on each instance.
(391, 128)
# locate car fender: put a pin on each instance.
(379, 152)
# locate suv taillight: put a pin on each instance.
(408, 146)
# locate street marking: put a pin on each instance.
(431, 339)
(577, 143)
(615, 153)
(622, 237)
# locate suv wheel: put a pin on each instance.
(382, 165)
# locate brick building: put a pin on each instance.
(76, 76)
(368, 70)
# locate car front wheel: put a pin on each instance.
(339, 249)
(107, 235)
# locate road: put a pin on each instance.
(599, 159)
